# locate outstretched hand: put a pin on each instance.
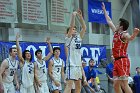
(136, 30)
(17, 36)
(74, 13)
(48, 40)
(79, 12)
(103, 6)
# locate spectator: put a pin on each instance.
(137, 80)
(109, 72)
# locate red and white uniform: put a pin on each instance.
(119, 49)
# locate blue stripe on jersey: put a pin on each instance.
(68, 62)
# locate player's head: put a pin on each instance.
(13, 51)
(27, 55)
(73, 30)
(123, 24)
(38, 54)
(137, 69)
(91, 62)
(56, 51)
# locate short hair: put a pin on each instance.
(38, 51)
(137, 68)
(91, 60)
(10, 49)
(56, 48)
(124, 23)
(23, 55)
(69, 28)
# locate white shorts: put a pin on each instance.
(9, 87)
(27, 90)
(44, 88)
(74, 72)
(54, 87)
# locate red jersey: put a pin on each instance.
(119, 47)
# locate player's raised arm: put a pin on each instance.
(50, 49)
(72, 24)
(108, 19)
(82, 22)
(131, 37)
(18, 49)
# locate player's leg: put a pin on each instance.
(117, 82)
(77, 86)
(78, 78)
(124, 73)
(117, 86)
(68, 86)
(125, 86)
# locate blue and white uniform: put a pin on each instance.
(74, 64)
(57, 70)
(42, 76)
(27, 78)
(8, 76)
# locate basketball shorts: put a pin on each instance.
(74, 72)
(121, 67)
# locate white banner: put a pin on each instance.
(8, 11)
(34, 12)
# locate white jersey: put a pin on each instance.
(27, 77)
(57, 66)
(74, 53)
(8, 76)
(42, 71)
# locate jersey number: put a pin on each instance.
(58, 69)
(78, 46)
(43, 70)
(30, 70)
(12, 73)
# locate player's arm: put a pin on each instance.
(16, 80)
(108, 19)
(62, 72)
(50, 68)
(18, 49)
(128, 37)
(82, 33)
(66, 50)
(72, 24)
(36, 75)
(50, 49)
(3, 67)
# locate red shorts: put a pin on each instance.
(121, 67)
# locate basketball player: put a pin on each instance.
(41, 70)
(8, 72)
(56, 71)
(27, 69)
(73, 44)
(121, 39)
